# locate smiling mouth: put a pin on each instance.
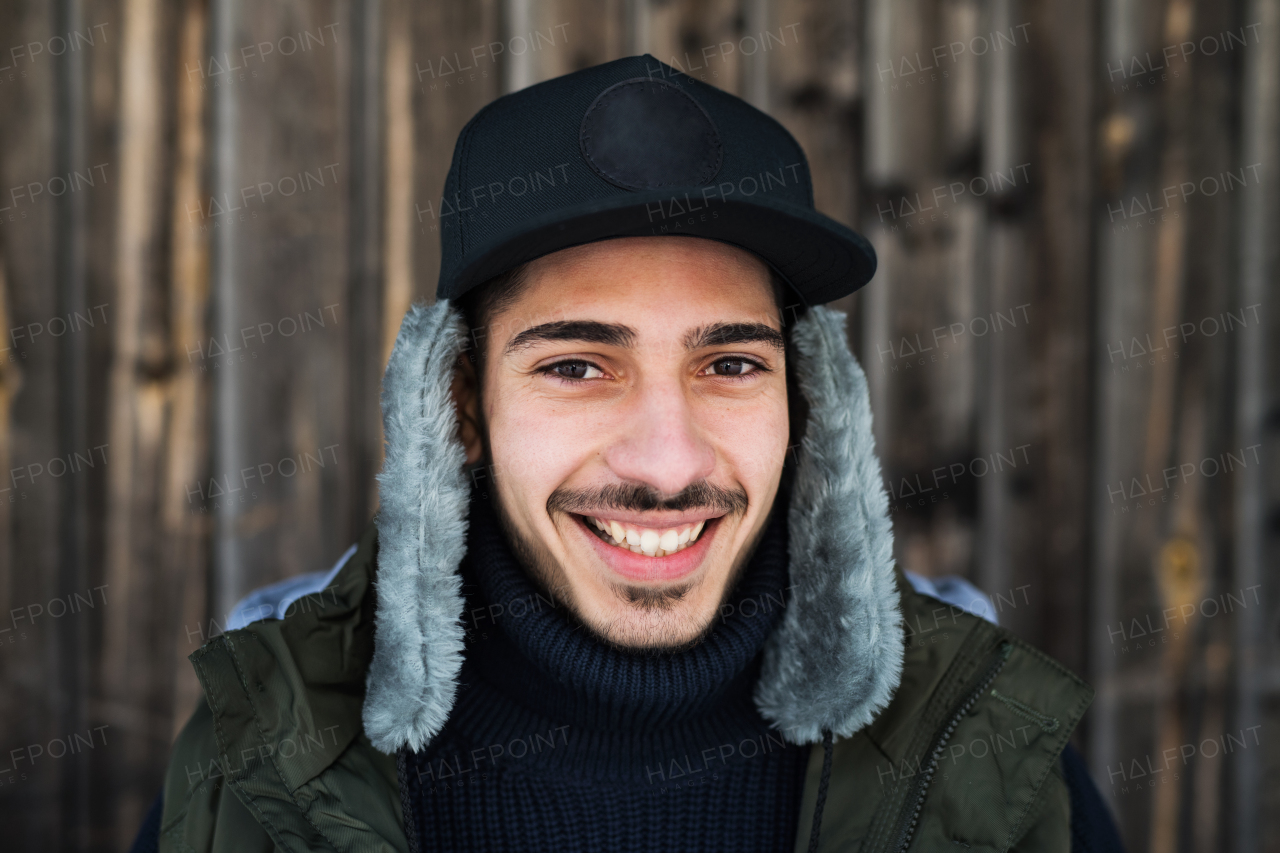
(646, 541)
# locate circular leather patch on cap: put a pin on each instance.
(644, 134)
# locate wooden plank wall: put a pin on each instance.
(214, 213)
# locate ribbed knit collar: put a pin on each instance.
(532, 651)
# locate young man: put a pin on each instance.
(631, 583)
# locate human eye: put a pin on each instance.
(572, 370)
(733, 367)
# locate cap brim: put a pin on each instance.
(820, 258)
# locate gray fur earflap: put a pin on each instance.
(836, 657)
(422, 528)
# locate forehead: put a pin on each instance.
(658, 285)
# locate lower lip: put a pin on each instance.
(638, 567)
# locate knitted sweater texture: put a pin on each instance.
(559, 742)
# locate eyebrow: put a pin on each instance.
(588, 331)
(723, 334)
(618, 335)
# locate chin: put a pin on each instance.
(643, 627)
(652, 616)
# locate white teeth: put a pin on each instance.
(647, 541)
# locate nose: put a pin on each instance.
(662, 445)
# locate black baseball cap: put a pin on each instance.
(633, 148)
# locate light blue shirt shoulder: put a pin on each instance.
(273, 601)
(956, 591)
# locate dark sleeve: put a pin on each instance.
(1092, 829)
(148, 840)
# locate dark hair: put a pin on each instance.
(479, 304)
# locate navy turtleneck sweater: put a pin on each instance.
(558, 742)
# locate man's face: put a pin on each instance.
(635, 409)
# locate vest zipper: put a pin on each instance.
(910, 813)
(406, 801)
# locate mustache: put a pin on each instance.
(638, 497)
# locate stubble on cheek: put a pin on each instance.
(545, 572)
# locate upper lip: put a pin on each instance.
(653, 522)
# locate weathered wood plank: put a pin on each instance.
(1061, 138)
(448, 90)
(135, 684)
(1257, 367)
(279, 358)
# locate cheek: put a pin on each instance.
(752, 442)
(535, 448)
